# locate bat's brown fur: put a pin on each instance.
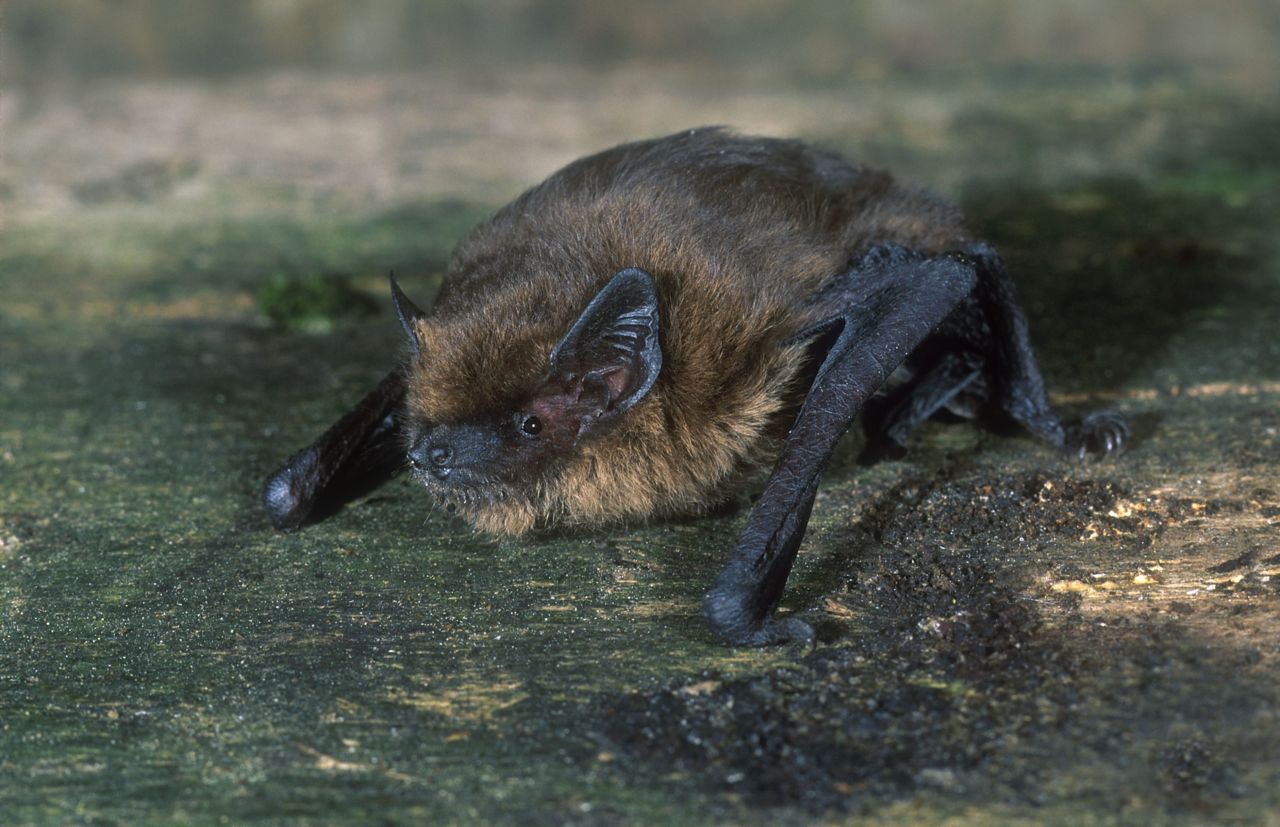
(739, 233)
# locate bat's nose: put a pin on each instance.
(446, 449)
(431, 455)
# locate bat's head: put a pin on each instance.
(490, 455)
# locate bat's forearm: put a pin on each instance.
(357, 453)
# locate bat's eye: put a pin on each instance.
(529, 424)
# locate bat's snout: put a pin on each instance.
(446, 450)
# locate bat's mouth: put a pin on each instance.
(462, 488)
(453, 479)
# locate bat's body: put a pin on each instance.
(626, 339)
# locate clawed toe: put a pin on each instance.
(1098, 433)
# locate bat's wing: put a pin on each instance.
(881, 310)
(360, 452)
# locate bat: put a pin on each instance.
(632, 337)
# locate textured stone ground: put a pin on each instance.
(191, 286)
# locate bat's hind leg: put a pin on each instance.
(957, 317)
(887, 304)
(888, 423)
(980, 359)
(1012, 376)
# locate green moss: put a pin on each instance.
(311, 305)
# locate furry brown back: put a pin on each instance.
(739, 234)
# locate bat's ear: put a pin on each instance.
(612, 349)
(407, 312)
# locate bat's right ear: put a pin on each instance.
(613, 346)
(407, 312)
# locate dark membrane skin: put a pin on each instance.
(626, 338)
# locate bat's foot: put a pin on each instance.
(738, 626)
(1100, 433)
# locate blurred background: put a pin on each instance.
(275, 101)
(818, 40)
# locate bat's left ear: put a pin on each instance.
(407, 312)
(612, 349)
